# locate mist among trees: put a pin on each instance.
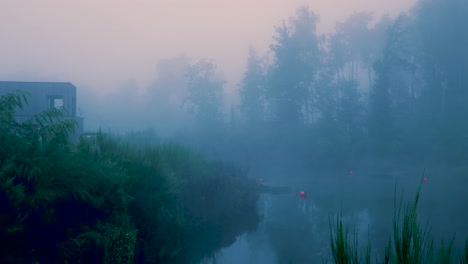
(390, 89)
(355, 118)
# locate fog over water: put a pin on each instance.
(353, 102)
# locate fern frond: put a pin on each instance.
(118, 238)
(47, 190)
(9, 103)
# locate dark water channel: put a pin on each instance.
(297, 230)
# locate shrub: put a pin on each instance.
(105, 200)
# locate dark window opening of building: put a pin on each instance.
(55, 101)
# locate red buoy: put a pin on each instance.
(260, 180)
(302, 194)
(424, 179)
(350, 173)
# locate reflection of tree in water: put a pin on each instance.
(296, 230)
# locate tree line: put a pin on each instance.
(388, 87)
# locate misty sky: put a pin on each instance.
(102, 44)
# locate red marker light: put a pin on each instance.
(302, 194)
(260, 180)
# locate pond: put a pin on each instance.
(296, 230)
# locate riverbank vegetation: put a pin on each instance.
(103, 200)
(410, 241)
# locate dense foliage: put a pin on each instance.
(106, 201)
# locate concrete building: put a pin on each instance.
(43, 96)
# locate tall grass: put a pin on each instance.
(345, 249)
(446, 252)
(410, 242)
(464, 253)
